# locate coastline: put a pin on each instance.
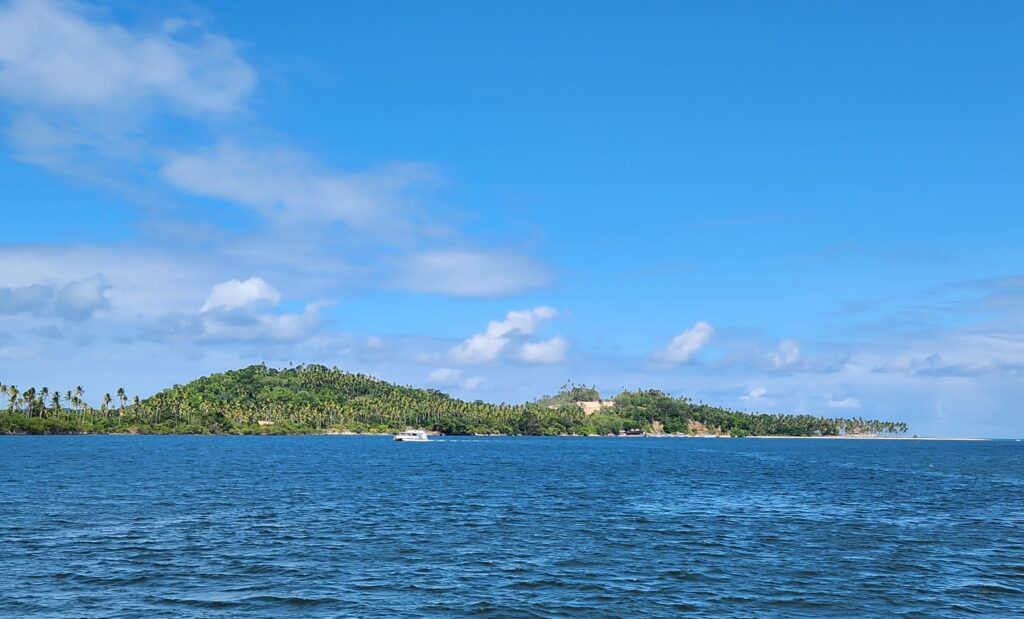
(882, 438)
(436, 435)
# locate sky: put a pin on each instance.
(793, 207)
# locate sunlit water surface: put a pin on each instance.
(509, 527)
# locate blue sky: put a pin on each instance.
(787, 207)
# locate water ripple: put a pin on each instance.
(502, 527)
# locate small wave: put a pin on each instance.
(108, 581)
(986, 588)
(194, 603)
(542, 583)
(290, 600)
(688, 576)
(263, 568)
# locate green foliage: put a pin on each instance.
(569, 393)
(681, 414)
(314, 398)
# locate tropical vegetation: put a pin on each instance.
(318, 399)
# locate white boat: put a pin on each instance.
(412, 436)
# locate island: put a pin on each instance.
(315, 399)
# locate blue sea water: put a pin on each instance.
(132, 526)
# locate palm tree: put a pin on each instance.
(122, 398)
(106, 403)
(12, 395)
(29, 398)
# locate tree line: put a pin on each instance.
(315, 398)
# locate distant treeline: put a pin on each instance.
(314, 399)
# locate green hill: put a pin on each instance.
(314, 398)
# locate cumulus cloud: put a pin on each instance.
(234, 294)
(754, 394)
(787, 354)
(65, 54)
(259, 326)
(469, 273)
(131, 272)
(244, 311)
(471, 383)
(844, 403)
(75, 300)
(450, 377)
(487, 346)
(25, 299)
(480, 348)
(78, 300)
(686, 345)
(445, 376)
(547, 351)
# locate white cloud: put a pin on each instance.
(522, 321)
(485, 347)
(286, 185)
(140, 282)
(239, 311)
(548, 351)
(25, 299)
(787, 354)
(85, 90)
(64, 54)
(845, 403)
(234, 294)
(469, 273)
(83, 96)
(684, 346)
(754, 394)
(480, 348)
(450, 377)
(784, 357)
(901, 363)
(87, 97)
(77, 300)
(445, 376)
(979, 358)
(472, 383)
(257, 326)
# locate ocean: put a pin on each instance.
(326, 526)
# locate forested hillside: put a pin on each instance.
(314, 398)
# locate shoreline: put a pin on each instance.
(660, 436)
(883, 438)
